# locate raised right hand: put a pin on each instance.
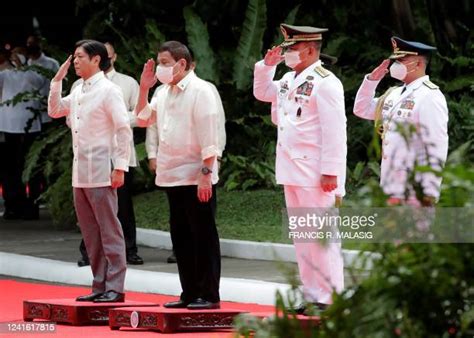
(148, 78)
(273, 56)
(62, 71)
(379, 72)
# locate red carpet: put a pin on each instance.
(11, 310)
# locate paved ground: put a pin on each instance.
(41, 239)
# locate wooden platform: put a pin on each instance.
(68, 311)
(171, 320)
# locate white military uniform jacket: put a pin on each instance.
(309, 112)
(423, 106)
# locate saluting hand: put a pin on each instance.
(328, 183)
(148, 78)
(379, 72)
(273, 56)
(62, 71)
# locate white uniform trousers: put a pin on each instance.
(321, 266)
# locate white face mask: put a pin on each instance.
(164, 74)
(292, 58)
(399, 70)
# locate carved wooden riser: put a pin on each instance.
(171, 320)
(68, 311)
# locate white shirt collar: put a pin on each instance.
(416, 83)
(310, 67)
(94, 78)
(109, 75)
(186, 80)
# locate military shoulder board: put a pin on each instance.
(430, 84)
(323, 72)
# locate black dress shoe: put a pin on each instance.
(134, 259)
(180, 304)
(299, 309)
(10, 215)
(308, 308)
(171, 259)
(110, 297)
(83, 262)
(89, 297)
(202, 304)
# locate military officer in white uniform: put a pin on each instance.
(412, 120)
(308, 108)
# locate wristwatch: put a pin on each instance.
(206, 171)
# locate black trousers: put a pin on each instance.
(126, 216)
(195, 243)
(16, 148)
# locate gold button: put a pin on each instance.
(285, 113)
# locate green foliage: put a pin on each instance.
(59, 200)
(244, 173)
(235, 209)
(458, 179)
(290, 20)
(36, 161)
(413, 290)
(51, 157)
(198, 40)
(135, 50)
(143, 178)
(250, 43)
(255, 168)
(227, 37)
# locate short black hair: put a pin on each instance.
(93, 48)
(178, 51)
